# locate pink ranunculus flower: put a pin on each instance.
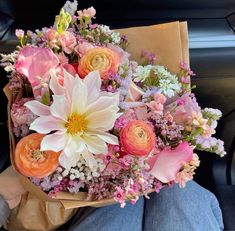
(166, 164)
(137, 138)
(99, 58)
(35, 63)
(67, 41)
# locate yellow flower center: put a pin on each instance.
(76, 123)
(141, 134)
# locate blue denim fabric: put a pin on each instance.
(190, 209)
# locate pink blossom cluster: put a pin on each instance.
(21, 117)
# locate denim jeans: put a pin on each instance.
(190, 209)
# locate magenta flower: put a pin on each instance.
(168, 162)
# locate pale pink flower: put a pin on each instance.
(119, 196)
(68, 41)
(166, 164)
(157, 105)
(21, 117)
(88, 13)
(52, 36)
(19, 33)
(183, 177)
(185, 80)
(187, 106)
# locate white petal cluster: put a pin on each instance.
(168, 83)
(81, 171)
(142, 73)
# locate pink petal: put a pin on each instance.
(33, 62)
(38, 108)
(135, 92)
(46, 124)
(168, 162)
(93, 84)
(67, 161)
(60, 107)
(55, 86)
(54, 142)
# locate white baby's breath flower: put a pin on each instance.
(168, 88)
(142, 73)
(115, 36)
(168, 83)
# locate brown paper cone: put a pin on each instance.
(169, 42)
(36, 215)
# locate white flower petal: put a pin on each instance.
(74, 144)
(100, 104)
(46, 124)
(55, 142)
(38, 108)
(69, 161)
(103, 119)
(60, 107)
(56, 88)
(115, 96)
(79, 97)
(93, 84)
(69, 84)
(89, 158)
(94, 144)
(107, 137)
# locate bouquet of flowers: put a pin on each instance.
(92, 123)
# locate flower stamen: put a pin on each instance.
(75, 124)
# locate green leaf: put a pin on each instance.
(46, 98)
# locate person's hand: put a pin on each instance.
(10, 187)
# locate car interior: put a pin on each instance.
(211, 27)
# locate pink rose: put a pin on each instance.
(166, 164)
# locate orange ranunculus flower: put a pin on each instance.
(99, 58)
(32, 162)
(137, 138)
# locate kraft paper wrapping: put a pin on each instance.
(170, 44)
